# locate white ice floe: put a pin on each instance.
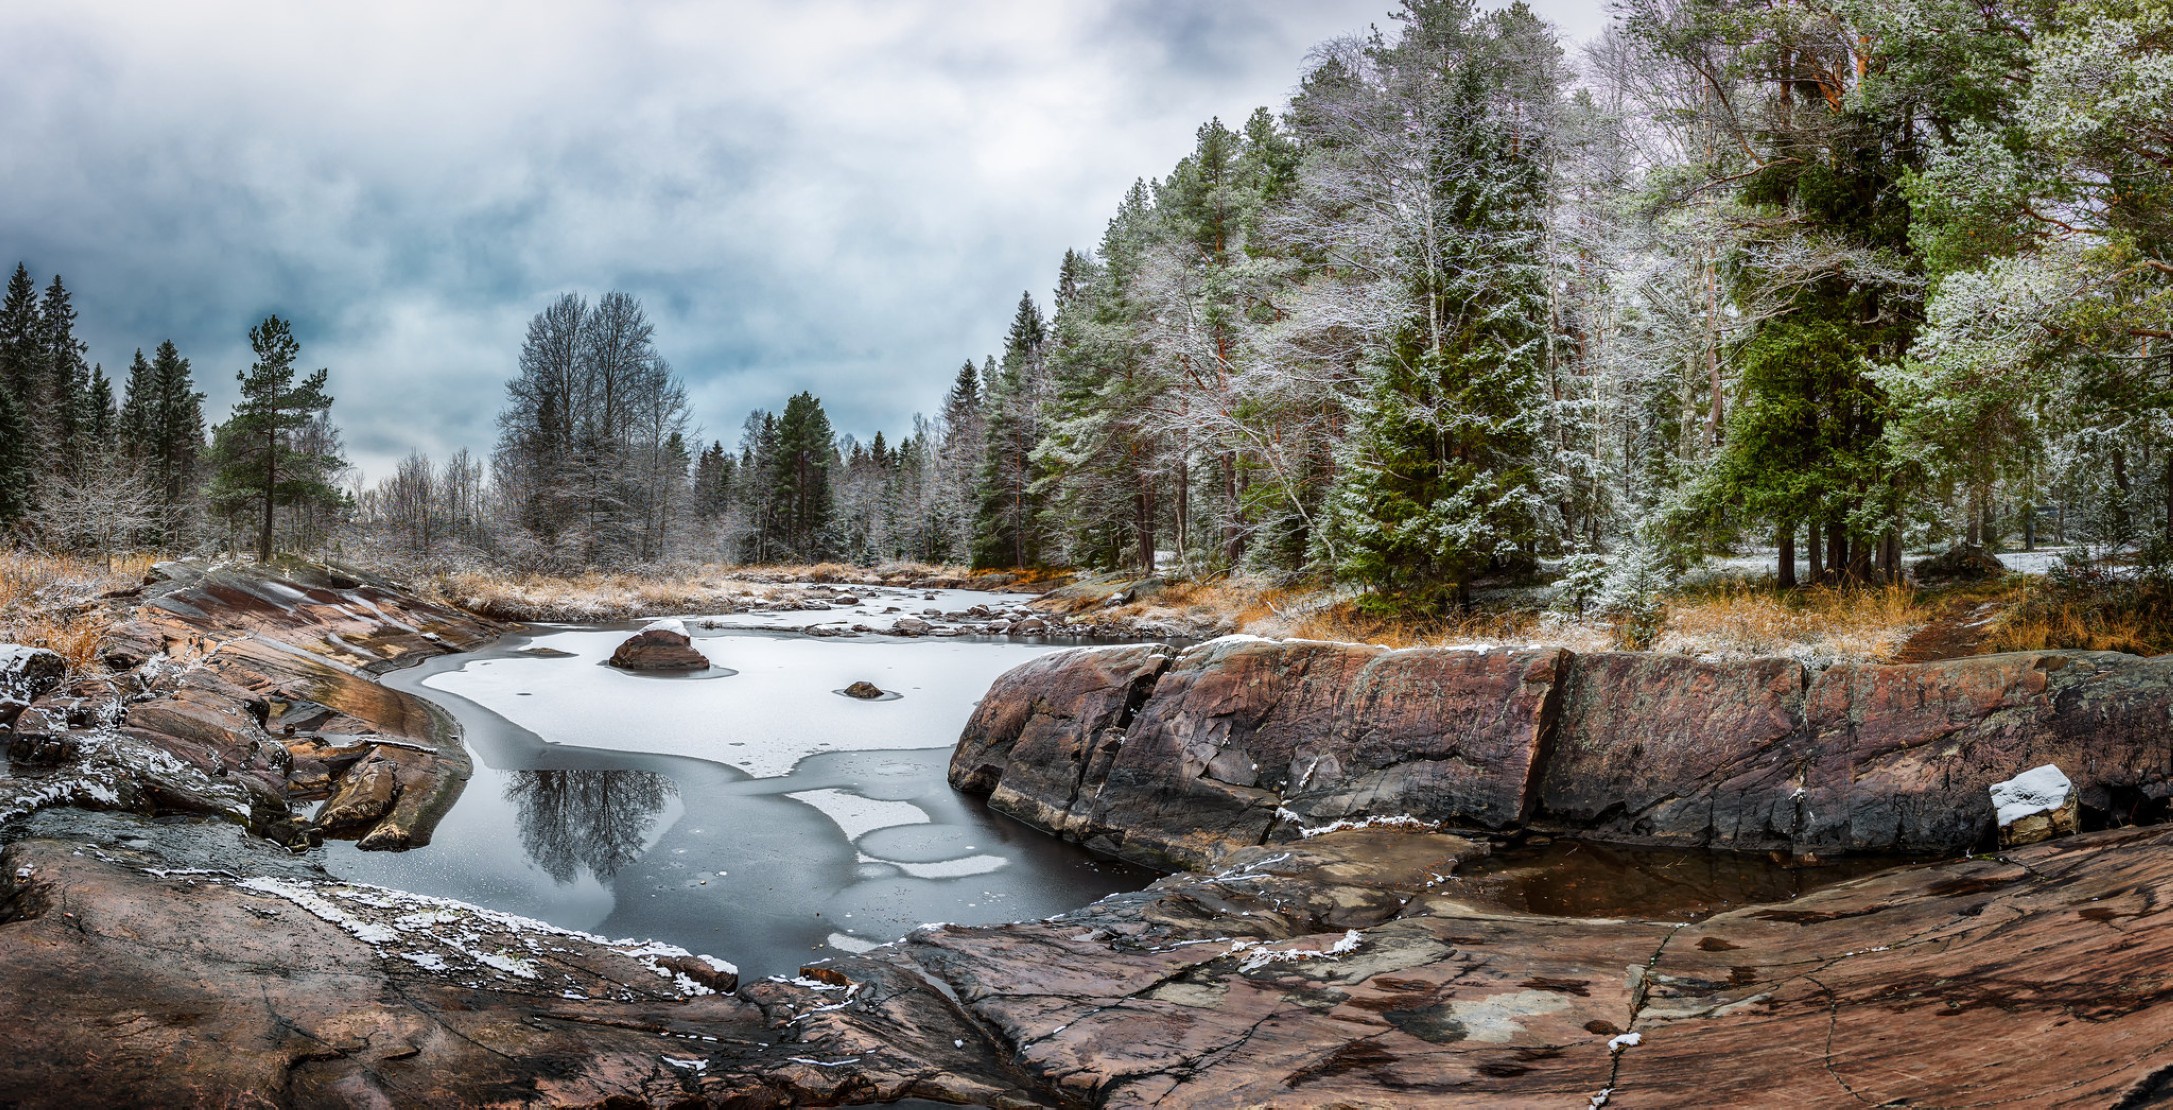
(667, 624)
(859, 816)
(951, 868)
(2037, 790)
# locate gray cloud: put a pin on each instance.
(842, 197)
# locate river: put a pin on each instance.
(751, 812)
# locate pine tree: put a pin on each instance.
(263, 462)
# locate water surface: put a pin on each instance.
(755, 815)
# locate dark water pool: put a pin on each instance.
(1580, 878)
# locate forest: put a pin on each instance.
(1835, 281)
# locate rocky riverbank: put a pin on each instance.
(1175, 758)
(182, 955)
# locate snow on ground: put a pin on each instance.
(1756, 561)
(873, 608)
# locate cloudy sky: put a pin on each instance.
(841, 197)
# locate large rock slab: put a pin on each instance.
(1050, 727)
(1907, 754)
(1356, 969)
(1202, 767)
(1240, 740)
(1243, 741)
(1673, 750)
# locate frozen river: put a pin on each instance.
(752, 813)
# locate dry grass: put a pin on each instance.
(593, 596)
(2116, 615)
(53, 601)
(1817, 625)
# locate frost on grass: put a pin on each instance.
(455, 939)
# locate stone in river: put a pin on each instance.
(663, 646)
(865, 691)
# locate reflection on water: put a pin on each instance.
(1573, 878)
(593, 820)
(758, 817)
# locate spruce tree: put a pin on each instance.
(16, 459)
(1007, 525)
(22, 347)
(1439, 482)
(61, 399)
(806, 450)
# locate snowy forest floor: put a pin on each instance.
(1714, 616)
(624, 595)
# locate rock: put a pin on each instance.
(27, 674)
(659, 647)
(1354, 969)
(2035, 806)
(1031, 626)
(1047, 730)
(1673, 750)
(910, 626)
(1960, 563)
(846, 599)
(866, 691)
(38, 749)
(1243, 739)
(1246, 740)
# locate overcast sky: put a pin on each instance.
(840, 197)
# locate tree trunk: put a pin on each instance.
(1813, 549)
(1233, 530)
(271, 489)
(1145, 526)
(2169, 495)
(1787, 575)
(1976, 517)
(1837, 551)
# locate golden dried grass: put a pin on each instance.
(1819, 624)
(52, 601)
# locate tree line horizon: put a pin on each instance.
(1834, 280)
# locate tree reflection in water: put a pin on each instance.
(570, 820)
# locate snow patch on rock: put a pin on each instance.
(2037, 790)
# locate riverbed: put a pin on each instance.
(752, 811)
